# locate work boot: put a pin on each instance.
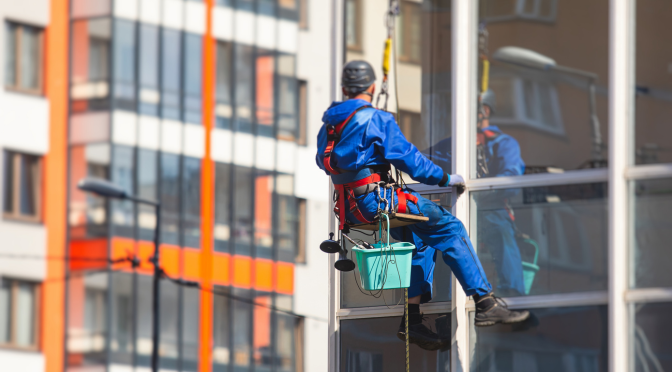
(420, 335)
(491, 310)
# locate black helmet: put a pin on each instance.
(357, 76)
(488, 99)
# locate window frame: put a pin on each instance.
(302, 98)
(357, 47)
(406, 36)
(16, 214)
(20, 27)
(301, 230)
(12, 345)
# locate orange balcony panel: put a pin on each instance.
(221, 269)
(242, 271)
(263, 275)
(191, 259)
(145, 253)
(88, 254)
(284, 278)
(122, 248)
(170, 259)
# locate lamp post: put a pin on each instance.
(108, 189)
(531, 59)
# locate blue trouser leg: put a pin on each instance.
(443, 232)
(497, 233)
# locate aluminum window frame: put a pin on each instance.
(14, 289)
(19, 38)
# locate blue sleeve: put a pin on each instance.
(321, 145)
(388, 139)
(440, 154)
(508, 156)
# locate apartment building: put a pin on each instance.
(208, 107)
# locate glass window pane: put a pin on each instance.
(171, 57)
(122, 308)
(284, 341)
(650, 344)
(223, 110)
(244, 68)
(265, 91)
(221, 322)
(124, 64)
(5, 310)
(88, 212)
(170, 198)
(87, 331)
(288, 217)
(193, 65)
(242, 320)
(143, 321)
(243, 210)
(542, 240)
(287, 98)
(123, 175)
(170, 310)
(8, 184)
(90, 64)
(147, 186)
(191, 306)
(10, 54)
(653, 141)
(191, 202)
(546, 104)
(222, 231)
(149, 95)
(263, 213)
(29, 184)
(651, 233)
(263, 351)
(560, 339)
(30, 57)
(372, 345)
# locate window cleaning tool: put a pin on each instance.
(530, 269)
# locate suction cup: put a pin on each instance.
(344, 263)
(329, 245)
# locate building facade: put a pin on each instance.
(577, 235)
(210, 108)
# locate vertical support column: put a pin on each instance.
(463, 116)
(621, 73)
(207, 194)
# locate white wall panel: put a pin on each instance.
(221, 145)
(288, 36)
(148, 132)
(22, 361)
(98, 153)
(266, 34)
(265, 153)
(120, 368)
(222, 23)
(25, 123)
(90, 127)
(194, 141)
(286, 162)
(124, 128)
(173, 13)
(311, 182)
(194, 17)
(127, 9)
(244, 27)
(35, 12)
(171, 136)
(23, 239)
(243, 149)
(150, 11)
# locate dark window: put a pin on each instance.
(143, 319)
(410, 124)
(18, 314)
(242, 333)
(284, 335)
(193, 78)
(245, 5)
(124, 79)
(170, 312)
(147, 168)
(265, 92)
(243, 192)
(22, 186)
(410, 31)
(222, 231)
(287, 98)
(303, 14)
(90, 64)
(266, 7)
(191, 298)
(149, 96)
(191, 202)
(299, 344)
(301, 231)
(224, 109)
(263, 213)
(23, 53)
(221, 331)
(244, 87)
(289, 9)
(302, 138)
(87, 331)
(121, 311)
(287, 218)
(123, 175)
(650, 346)
(353, 25)
(170, 74)
(170, 198)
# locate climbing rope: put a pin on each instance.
(392, 12)
(408, 365)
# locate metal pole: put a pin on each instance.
(155, 294)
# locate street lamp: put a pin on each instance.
(531, 59)
(108, 189)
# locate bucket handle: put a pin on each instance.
(536, 247)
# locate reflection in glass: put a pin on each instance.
(123, 175)
(263, 352)
(441, 286)
(5, 311)
(288, 120)
(223, 108)
(265, 91)
(263, 213)
(651, 233)
(561, 339)
(124, 64)
(653, 106)
(190, 328)
(221, 323)
(170, 312)
(287, 220)
(193, 65)
(24, 326)
(147, 189)
(191, 202)
(244, 75)
(170, 198)
(149, 96)
(121, 312)
(171, 87)
(372, 345)
(87, 214)
(11, 36)
(143, 321)
(650, 338)
(549, 79)
(87, 330)
(222, 231)
(90, 64)
(242, 318)
(542, 240)
(242, 210)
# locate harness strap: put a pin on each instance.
(403, 199)
(344, 192)
(333, 136)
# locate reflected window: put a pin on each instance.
(651, 348)
(149, 95)
(87, 330)
(222, 231)
(559, 339)
(171, 57)
(22, 186)
(353, 25)
(529, 10)
(223, 108)
(410, 32)
(221, 333)
(123, 175)
(653, 140)
(124, 64)
(23, 58)
(651, 233)
(121, 313)
(263, 350)
(193, 65)
(242, 210)
(170, 198)
(287, 98)
(244, 72)
(169, 335)
(87, 214)
(531, 241)
(242, 333)
(265, 91)
(90, 64)
(147, 168)
(191, 298)
(287, 217)
(191, 202)
(18, 314)
(263, 213)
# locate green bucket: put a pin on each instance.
(530, 268)
(385, 266)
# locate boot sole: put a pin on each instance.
(423, 344)
(488, 323)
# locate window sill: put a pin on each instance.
(22, 349)
(33, 93)
(23, 219)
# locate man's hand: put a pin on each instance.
(455, 180)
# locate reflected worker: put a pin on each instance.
(369, 142)
(498, 155)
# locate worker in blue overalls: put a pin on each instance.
(498, 155)
(368, 143)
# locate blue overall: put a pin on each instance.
(495, 227)
(373, 138)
